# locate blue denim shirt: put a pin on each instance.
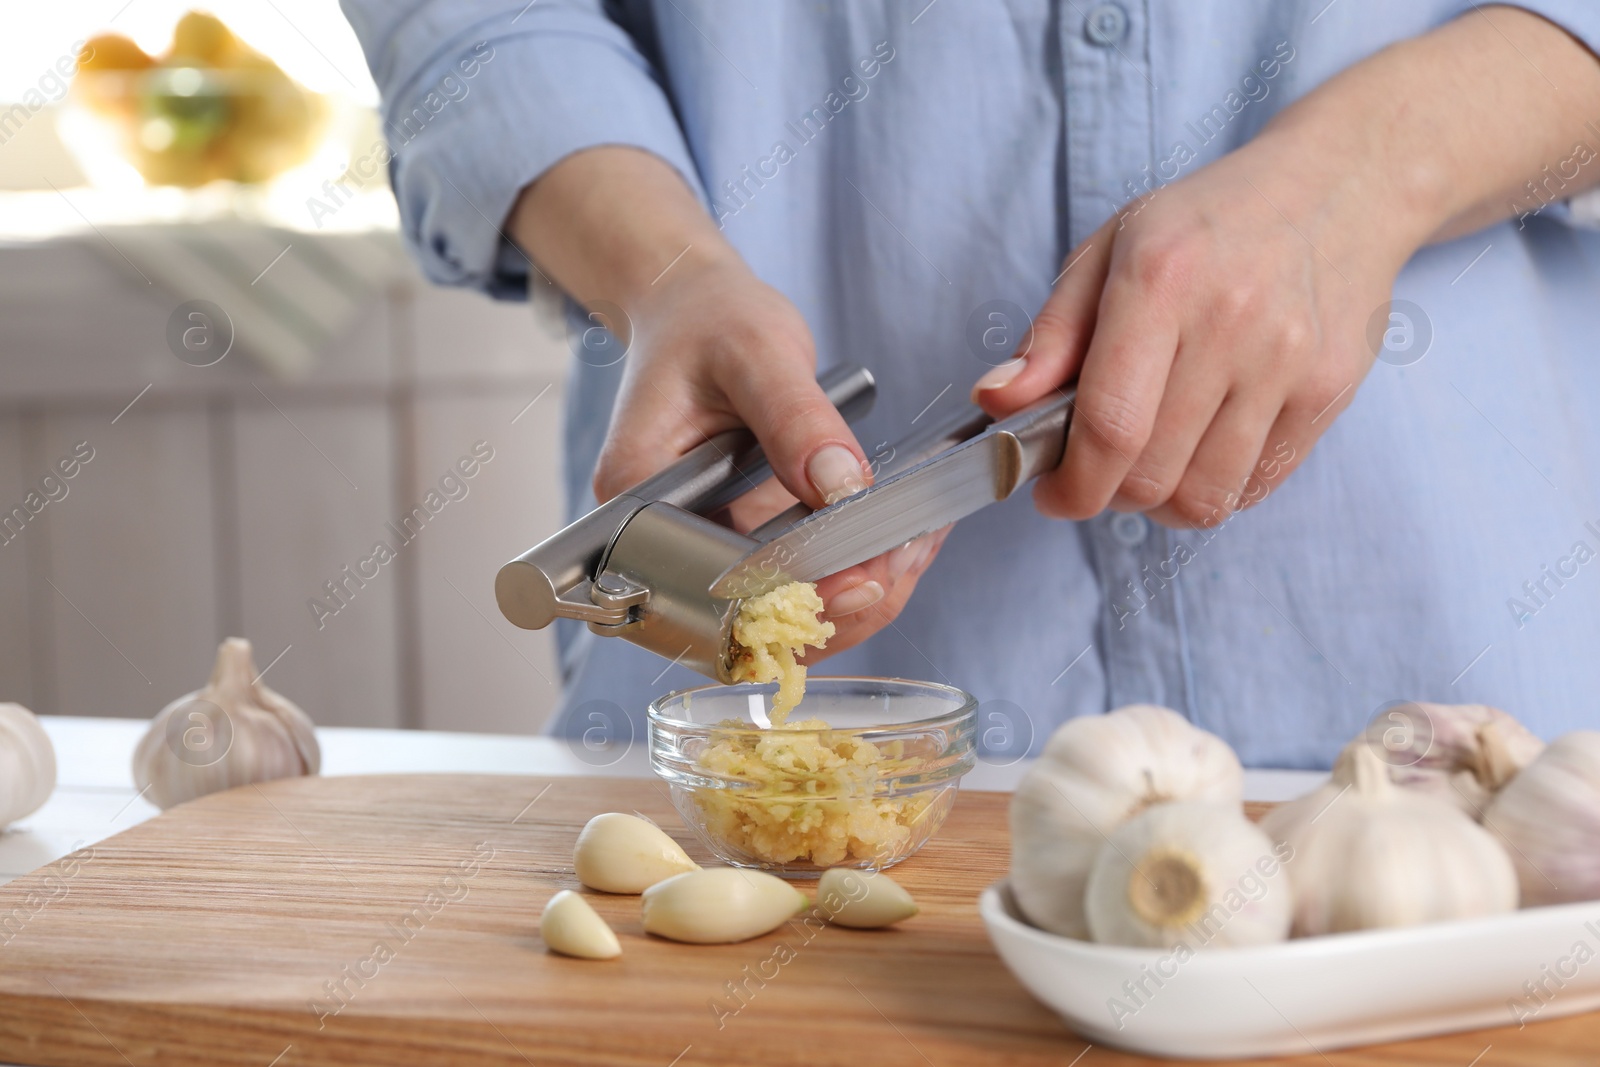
(897, 168)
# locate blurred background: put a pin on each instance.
(207, 318)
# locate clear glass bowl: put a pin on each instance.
(865, 790)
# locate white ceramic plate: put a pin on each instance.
(1312, 994)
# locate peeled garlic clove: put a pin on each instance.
(233, 732)
(1549, 817)
(1367, 853)
(719, 905)
(1188, 873)
(573, 928)
(1460, 753)
(27, 764)
(619, 853)
(863, 900)
(1096, 773)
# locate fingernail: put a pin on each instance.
(835, 473)
(906, 557)
(1000, 376)
(856, 598)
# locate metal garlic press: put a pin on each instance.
(654, 567)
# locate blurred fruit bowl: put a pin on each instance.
(211, 109)
(192, 125)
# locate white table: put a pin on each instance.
(95, 796)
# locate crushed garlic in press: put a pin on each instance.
(769, 632)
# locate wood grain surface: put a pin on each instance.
(394, 920)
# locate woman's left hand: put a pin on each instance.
(1215, 328)
(1218, 325)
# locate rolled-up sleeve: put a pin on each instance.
(480, 97)
(1581, 19)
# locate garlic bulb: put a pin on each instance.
(232, 732)
(27, 764)
(619, 853)
(863, 900)
(1549, 818)
(1096, 773)
(572, 927)
(1367, 853)
(719, 905)
(1188, 873)
(1462, 753)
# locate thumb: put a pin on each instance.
(806, 440)
(656, 420)
(1053, 347)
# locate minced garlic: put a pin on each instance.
(769, 632)
(811, 792)
(813, 798)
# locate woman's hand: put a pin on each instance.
(1217, 326)
(1215, 330)
(714, 348)
(709, 347)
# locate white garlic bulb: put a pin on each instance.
(27, 764)
(1462, 753)
(619, 853)
(1549, 818)
(1096, 773)
(1368, 853)
(863, 900)
(719, 905)
(232, 732)
(571, 926)
(1188, 873)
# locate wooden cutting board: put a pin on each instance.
(393, 920)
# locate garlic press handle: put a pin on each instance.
(555, 578)
(723, 468)
(1038, 433)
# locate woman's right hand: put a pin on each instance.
(715, 348)
(712, 348)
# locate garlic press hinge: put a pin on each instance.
(620, 603)
(586, 602)
(640, 566)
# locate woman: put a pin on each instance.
(1205, 207)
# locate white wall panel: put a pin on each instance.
(314, 489)
(130, 555)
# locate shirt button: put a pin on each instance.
(1105, 25)
(1130, 529)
